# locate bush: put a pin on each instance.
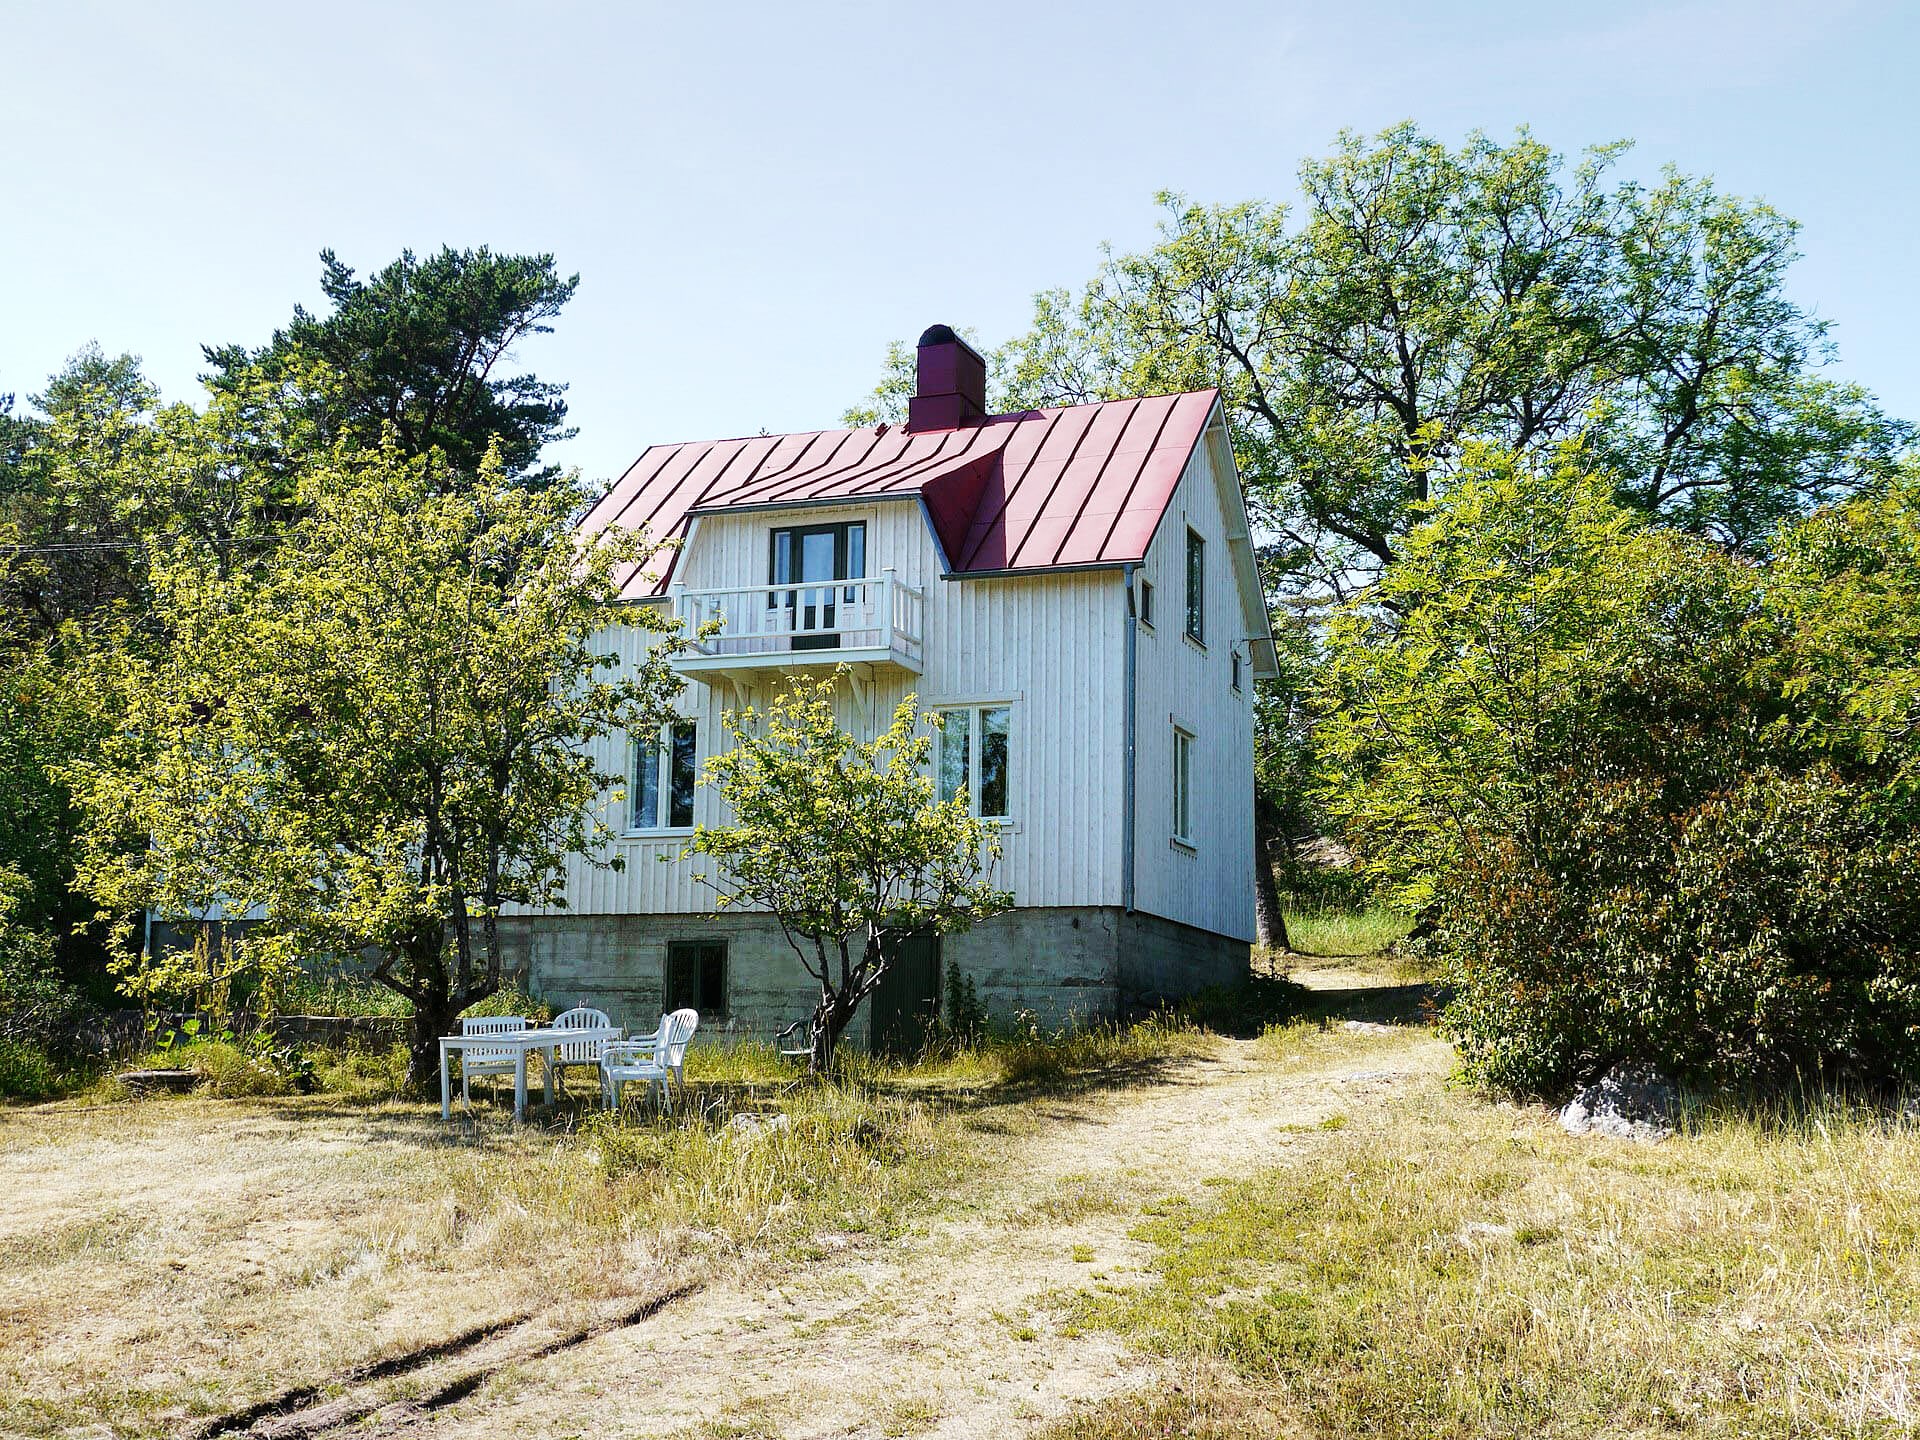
(1766, 935)
(37, 1008)
(1666, 799)
(511, 1000)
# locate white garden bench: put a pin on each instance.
(658, 1059)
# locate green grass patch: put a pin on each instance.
(1444, 1267)
(1335, 932)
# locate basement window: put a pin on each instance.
(696, 979)
(660, 789)
(974, 755)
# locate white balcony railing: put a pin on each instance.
(871, 620)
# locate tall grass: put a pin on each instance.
(1444, 1267)
(1022, 1052)
(1335, 931)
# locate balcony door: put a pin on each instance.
(806, 559)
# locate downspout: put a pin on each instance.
(1130, 727)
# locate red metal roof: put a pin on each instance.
(1039, 490)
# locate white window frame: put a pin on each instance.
(663, 778)
(1146, 603)
(976, 739)
(1182, 816)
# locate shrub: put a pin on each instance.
(36, 1006)
(1768, 934)
(511, 1000)
(1666, 800)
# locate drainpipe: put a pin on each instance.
(1130, 725)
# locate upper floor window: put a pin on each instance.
(660, 795)
(973, 758)
(1182, 786)
(1236, 667)
(1196, 587)
(1146, 603)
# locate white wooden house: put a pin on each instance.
(1077, 583)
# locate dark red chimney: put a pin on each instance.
(950, 383)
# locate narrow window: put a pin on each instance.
(975, 759)
(1196, 587)
(660, 792)
(1182, 787)
(643, 793)
(1146, 603)
(1236, 667)
(680, 764)
(696, 978)
(994, 721)
(956, 753)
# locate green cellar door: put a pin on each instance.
(907, 1002)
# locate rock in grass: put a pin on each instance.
(1624, 1104)
(753, 1126)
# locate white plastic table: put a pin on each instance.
(523, 1043)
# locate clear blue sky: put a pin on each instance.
(759, 196)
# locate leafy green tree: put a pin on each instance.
(1660, 797)
(1426, 298)
(844, 842)
(1448, 690)
(421, 348)
(376, 738)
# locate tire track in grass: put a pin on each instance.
(305, 1411)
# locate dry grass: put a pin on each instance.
(1441, 1266)
(170, 1258)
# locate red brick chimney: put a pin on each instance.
(950, 382)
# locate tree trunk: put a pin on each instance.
(1270, 920)
(830, 1019)
(430, 1021)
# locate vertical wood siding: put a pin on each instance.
(1050, 646)
(1209, 885)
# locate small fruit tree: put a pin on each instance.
(845, 842)
(378, 737)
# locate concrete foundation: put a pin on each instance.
(1062, 966)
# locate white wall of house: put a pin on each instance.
(1207, 879)
(1051, 647)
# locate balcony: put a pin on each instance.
(766, 628)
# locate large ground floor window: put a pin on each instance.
(974, 758)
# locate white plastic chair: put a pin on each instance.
(579, 1052)
(488, 1060)
(659, 1059)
